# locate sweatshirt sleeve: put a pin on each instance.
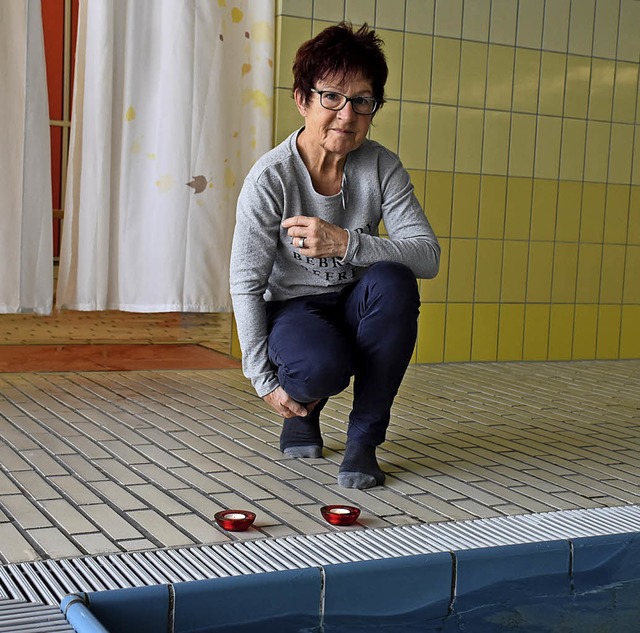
(252, 255)
(411, 239)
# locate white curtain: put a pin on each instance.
(26, 241)
(172, 106)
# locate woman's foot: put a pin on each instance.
(359, 468)
(301, 437)
(303, 451)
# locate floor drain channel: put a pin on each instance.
(47, 582)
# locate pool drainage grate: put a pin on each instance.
(47, 582)
(25, 617)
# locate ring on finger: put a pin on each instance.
(301, 242)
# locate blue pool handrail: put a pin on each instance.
(76, 609)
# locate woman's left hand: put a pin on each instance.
(316, 238)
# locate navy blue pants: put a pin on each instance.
(368, 331)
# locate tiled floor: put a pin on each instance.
(212, 330)
(118, 357)
(98, 462)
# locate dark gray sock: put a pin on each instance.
(359, 468)
(303, 451)
(301, 437)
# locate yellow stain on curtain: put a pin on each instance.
(262, 32)
(229, 178)
(165, 183)
(258, 99)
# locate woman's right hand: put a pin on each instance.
(282, 403)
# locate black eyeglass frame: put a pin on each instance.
(353, 100)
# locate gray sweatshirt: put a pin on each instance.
(265, 266)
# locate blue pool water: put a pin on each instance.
(584, 585)
(611, 609)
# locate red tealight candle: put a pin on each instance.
(234, 520)
(340, 515)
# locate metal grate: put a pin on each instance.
(47, 582)
(23, 617)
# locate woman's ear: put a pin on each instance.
(300, 102)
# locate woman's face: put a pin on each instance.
(336, 132)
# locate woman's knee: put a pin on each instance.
(396, 283)
(318, 373)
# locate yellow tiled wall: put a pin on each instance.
(518, 121)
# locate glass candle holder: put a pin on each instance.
(235, 520)
(340, 515)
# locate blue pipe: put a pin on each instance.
(75, 609)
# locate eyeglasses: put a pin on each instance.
(335, 101)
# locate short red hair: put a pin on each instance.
(342, 52)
